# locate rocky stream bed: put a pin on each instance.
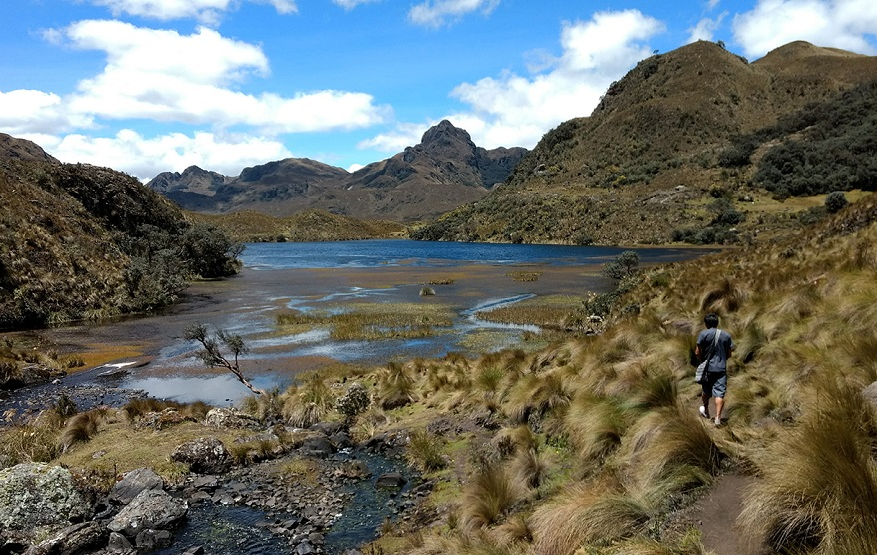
(349, 493)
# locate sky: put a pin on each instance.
(147, 86)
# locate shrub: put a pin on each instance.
(625, 265)
(835, 201)
(354, 401)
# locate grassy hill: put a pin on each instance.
(653, 156)
(309, 225)
(78, 241)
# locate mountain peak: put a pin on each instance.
(444, 133)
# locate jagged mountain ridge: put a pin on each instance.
(644, 163)
(443, 171)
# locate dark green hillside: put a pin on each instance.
(78, 241)
(652, 158)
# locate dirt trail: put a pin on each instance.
(716, 515)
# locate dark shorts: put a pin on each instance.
(716, 384)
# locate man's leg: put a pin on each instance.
(719, 402)
(706, 404)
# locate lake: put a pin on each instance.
(335, 277)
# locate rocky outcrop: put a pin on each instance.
(206, 455)
(229, 418)
(150, 510)
(78, 538)
(133, 484)
(37, 499)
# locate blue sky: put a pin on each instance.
(146, 86)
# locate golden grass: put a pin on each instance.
(585, 514)
(818, 483)
(487, 498)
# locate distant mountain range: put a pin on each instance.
(442, 172)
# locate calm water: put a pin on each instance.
(398, 252)
(334, 277)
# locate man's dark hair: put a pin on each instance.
(711, 320)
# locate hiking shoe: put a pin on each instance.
(718, 422)
(703, 412)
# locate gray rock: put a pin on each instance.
(305, 548)
(148, 540)
(206, 455)
(133, 483)
(196, 550)
(153, 509)
(390, 480)
(37, 500)
(71, 540)
(327, 428)
(119, 544)
(209, 483)
(319, 447)
(341, 440)
(230, 418)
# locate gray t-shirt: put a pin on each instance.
(719, 359)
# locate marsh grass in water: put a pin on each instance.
(375, 321)
(524, 276)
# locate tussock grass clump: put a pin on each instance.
(584, 515)
(396, 387)
(424, 451)
(672, 448)
(595, 426)
(727, 297)
(81, 428)
(24, 443)
(535, 394)
(304, 406)
(487, 498)
(818, 485)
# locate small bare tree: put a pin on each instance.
(212, 352)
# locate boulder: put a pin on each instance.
(149, 540)
(318, 447)
(230, 418)
(119, 544)
(78, 538)
(390, 480)
(152, 509)
(327, 428)
(134, 482)
(342, 441)
(206, 455)
(37, 499)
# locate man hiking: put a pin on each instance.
(714, 346)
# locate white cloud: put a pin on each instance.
(165, 76)
(512, 110)
(705, 29)
(27, 111)
(350, 4)
(846, 24)
(435, 13)
(145, 158)
(206, 11)
(404, 134)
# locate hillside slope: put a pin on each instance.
(444, 170)
(646, 161)
(79, 241)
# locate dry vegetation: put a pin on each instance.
(593, 445)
